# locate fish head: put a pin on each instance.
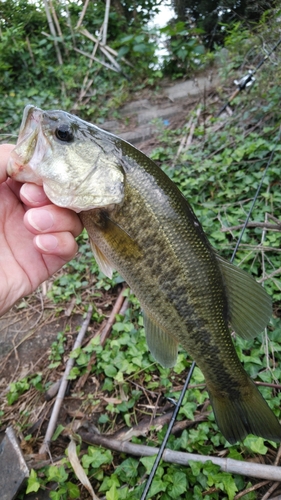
(77, 164)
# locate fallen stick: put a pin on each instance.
(64, 381)
(269, 472)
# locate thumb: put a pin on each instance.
(5, 151)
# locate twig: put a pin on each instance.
(251, 488)
(264, 225)
(278, 456)
(145, 425)
(192, 128)
(262, 471)
(271, 275)
(268, 384)
(30, 50)
(53, 420)
(270, 490)
(96, 59)
(111, 320)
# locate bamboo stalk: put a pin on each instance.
(53, 32)
(105, 23)
(82, 15)
(55, 18)
(64, 381)
(96, 59)
(262, 471)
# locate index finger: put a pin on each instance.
(5, 151)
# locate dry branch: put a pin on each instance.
(96, 59)
(254, 487)
(262, 471)
(56, 409)
(272, 488)
(264, 225)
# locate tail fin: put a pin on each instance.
(236, 418)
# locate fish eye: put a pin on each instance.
(64, 133)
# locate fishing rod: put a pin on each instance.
(189, 375)
(247, 80)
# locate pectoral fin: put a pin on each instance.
(249, 305)
(163, 347)
(103, 263)
(114, 238)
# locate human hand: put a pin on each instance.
(36, 237)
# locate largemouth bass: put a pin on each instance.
(140, 224)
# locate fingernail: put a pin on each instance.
(47, 242)
(33, 193)
(41, 220)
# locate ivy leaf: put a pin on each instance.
(73, 490)
(128, 469)
(112, 494)
(179, 485)
(157, 486)
(33, 483)
(256, 444)
(229, 485)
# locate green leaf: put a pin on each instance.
(33, 483)
(229, 485)
(58, 431)
(148, 462)
(195, 467)
(112, 494)
(73, 490)
(96, 457)
(110, 371)
(256, 444)
(157, 486)
(179, 486)
(128, 469)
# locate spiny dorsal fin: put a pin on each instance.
(163, 347)
(249, 304)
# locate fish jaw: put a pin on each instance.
(30, 149)
(81, 174)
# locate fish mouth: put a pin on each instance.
(32, 146)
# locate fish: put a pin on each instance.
(141, 225)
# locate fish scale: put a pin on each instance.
(141, 225)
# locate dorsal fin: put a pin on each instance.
(249, 304)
